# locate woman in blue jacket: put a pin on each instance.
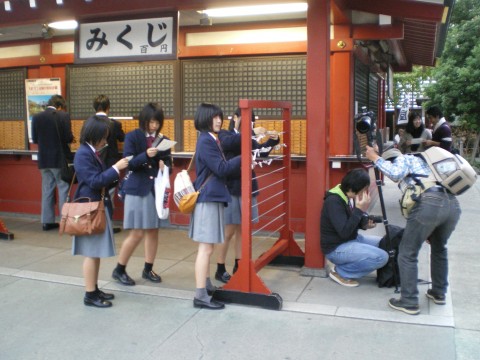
(93, 178)
(207, 223)
(140, 214)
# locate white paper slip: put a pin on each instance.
(129, 157)
(166, 144)
(417, 141)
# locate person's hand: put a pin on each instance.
(371, 224)
(371, 153)
(121, 164)
(408, 142)
(259, 130)
(273, 134)
(161, 165)
(429, 143)
(362, 201)
(151, 152)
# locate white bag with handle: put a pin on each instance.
(162, 193)
(182, 186)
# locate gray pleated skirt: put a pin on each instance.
(207, 224)
(139, 212)
(233, 212)
(95, 246)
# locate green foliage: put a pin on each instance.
(411, 84)
(465, 10)
(457, 76)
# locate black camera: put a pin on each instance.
(375, 218)
(365, 124)
(365, 218)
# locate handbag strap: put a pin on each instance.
(191, 162)
(102, 196)
(205, 182)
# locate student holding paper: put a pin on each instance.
(415, 135)
(140, 215)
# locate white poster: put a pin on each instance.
(38, 92)
(403, 115)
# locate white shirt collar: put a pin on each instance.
(439, 123)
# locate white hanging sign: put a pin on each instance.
(127, 40)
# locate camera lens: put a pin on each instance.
(363, 124)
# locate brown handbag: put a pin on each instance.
(81, 217)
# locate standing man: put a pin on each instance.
(442, 134)
(110, 154)
(433, 217)
(52, 131)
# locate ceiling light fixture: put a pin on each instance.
(256, 10)
(33, 4)
(64, 25)
(7, 5)
(59, 2)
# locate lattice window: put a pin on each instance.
(12, 94)
(129, 87)
(225, 81)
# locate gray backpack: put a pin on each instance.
(450, 170)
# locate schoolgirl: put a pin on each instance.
(93, 176)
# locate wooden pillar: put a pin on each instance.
(318, 103)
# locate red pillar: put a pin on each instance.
(318, 103)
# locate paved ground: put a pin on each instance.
(42, 315)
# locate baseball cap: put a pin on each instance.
(391, 153)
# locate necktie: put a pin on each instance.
(150, 141)
(97, 154)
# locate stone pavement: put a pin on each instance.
(42, 315)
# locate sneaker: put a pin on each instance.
(342, 281)
(437, 299)
(222, 277)
(407, 309)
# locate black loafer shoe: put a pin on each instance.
(152, 276)
(123, 278)
(212, 305)
(222, 277)
(105, 296)
(117, 230)
(98, 302)
(50, 226)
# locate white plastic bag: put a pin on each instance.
(162, 193)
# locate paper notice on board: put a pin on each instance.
(166, 144)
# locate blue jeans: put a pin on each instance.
(433, 217)
(357, 258)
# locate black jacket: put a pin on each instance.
(49, 139)
(338, 223)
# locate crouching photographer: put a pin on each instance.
(344, 212)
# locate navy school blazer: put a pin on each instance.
(210, 160)
(144, 169)
(92, 175)
(231, 145)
